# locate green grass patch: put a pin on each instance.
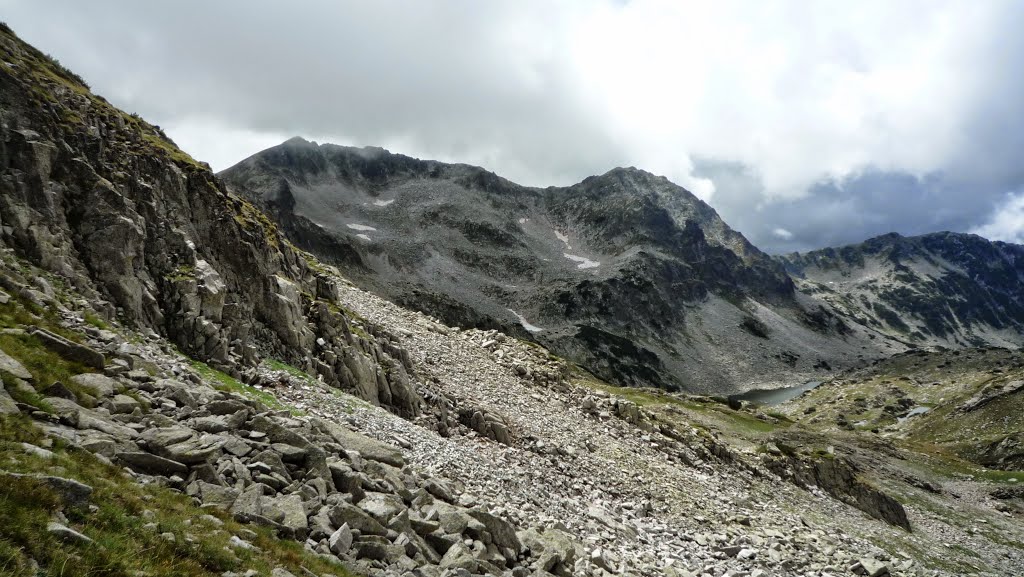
(95, 321)
(122, 546)
(250, 218)
(21, 312)
(943, 562)
(184, 272)
(46, 366)
(943, 462)
(26, 395)
(997, 476)
(224, 382)
(277, 365)
(781, 417)
(15, 315)
(710, 414)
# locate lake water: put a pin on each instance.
(775, 396)
(913, 412)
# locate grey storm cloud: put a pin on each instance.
(804, 124)
(837, 213)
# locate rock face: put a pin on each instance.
(948, 289)
(839, 477)
(615, 272)
(151, 238)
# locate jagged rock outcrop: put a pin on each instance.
(151, 238)
(838, 477)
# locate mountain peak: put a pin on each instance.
(298, 141)
(559, 256)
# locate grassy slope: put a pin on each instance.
(950, 439)
(123, 544)
(741, 426)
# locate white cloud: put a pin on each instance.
(1007, 221)
(782, 234)
(797, 90)
(221, 146)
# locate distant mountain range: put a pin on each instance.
(947, 289)
(626, 273)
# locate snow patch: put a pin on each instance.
(524, 220)
(361, 227)
(526, 324)
(383, 202)
(583, 262)
(565, 239)
(364, 236)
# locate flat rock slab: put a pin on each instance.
(82, 418)
(73, 493)
(160, 437)
(67, 534)
(13, 367)
(369, 448)
(341, 540)
(354, 517)
(102, 386)
(70, 350)
(193, 451)
(152, 464)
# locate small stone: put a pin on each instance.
(37, 451)
(239, 543)
(870, 567)
(341, 540)
(67, 534)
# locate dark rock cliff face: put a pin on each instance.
(107, 202)
(607, 272)
(944, 288)
(841, 478)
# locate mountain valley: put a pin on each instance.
(336, 361)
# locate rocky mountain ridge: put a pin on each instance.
(627, 273)
(940, 289)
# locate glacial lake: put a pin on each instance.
(768, 397)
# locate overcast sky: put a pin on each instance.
(805, 124)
